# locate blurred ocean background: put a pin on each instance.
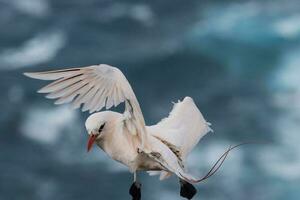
(239, 60)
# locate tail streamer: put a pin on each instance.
(219, 162)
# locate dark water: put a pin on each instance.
(239, 60)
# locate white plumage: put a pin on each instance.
(125, 137)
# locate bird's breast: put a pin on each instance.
(122, 148)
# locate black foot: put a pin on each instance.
(187, 190)
(135, 191)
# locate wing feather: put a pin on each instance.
(54, 75)
(65, 91)
(88, 98)
(95, 87)
(110, 98)
(183, 128)
(61, 84)
(95, 100)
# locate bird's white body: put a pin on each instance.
(170, 141)
(118, 143)
(160, 149)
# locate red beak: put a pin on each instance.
(91, 141)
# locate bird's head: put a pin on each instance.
(96, 126)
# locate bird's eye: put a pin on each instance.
(101, 127)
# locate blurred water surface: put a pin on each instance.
(239, 60)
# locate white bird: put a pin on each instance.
(160, 149)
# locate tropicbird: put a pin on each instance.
(160, 149)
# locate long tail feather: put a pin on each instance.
(217, 165)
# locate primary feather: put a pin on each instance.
(94, 87)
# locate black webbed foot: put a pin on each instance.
(135, 191)
(187, 190)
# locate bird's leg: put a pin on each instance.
(135, 189)
(187, 190)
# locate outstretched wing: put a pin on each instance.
(182, 129)
(95, 87)
(179, 132)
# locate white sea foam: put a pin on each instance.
(287, 76)
(39, 49)
(139, 12)
(227, 21)
(37, 8)
(284, 161)
(142, 13)
(45, 125)
(224, 19)
(288, 27)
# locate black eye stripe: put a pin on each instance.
(101, 127)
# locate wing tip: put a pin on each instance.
(29, 74)
(35, 75)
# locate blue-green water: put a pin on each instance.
(239, 60)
